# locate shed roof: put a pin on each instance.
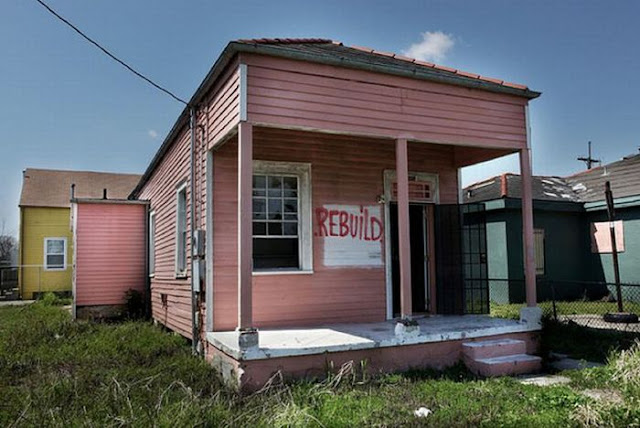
(624, 176)
(327, 51)
(586, 186)
(51, 188)
(544, 188)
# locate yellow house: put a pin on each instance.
(45, 254)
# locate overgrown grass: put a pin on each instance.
(61, 373)
(577, 307)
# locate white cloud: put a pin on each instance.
(434, 46)
(153, 133)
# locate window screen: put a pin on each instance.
(181, 232)
(275, 222)
(55, 250)
(152, 243)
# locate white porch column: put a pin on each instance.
(527, 228)
(245, 237)
(404, 248)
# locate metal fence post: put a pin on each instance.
(553, 301)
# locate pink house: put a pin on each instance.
(304, 212)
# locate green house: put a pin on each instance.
(573, 243)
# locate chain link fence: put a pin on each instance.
(583, 303)
(29, 282)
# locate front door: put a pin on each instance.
(418, 232)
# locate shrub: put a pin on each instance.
(135, 304)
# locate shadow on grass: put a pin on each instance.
(583, 342)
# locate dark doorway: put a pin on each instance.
(461, 250)
(419, 258)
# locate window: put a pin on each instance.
(281, 216)
(152, 242)
(538, 235)
(55, 253)
(181, 231)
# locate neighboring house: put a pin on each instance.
(573, 248)
(45, 241)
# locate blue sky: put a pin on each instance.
(65, 105)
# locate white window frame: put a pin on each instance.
(152, 243)
(305, 243)
(539, 270)
(64, 255)
(181, 273)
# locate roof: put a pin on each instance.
(585, 186)
(544, 188)
(51, 188)
(327, 51)
(624, 176)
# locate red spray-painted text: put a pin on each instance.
(362, 226)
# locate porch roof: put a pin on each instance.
(326, 51)
(275, 343)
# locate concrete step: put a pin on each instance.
(506, 365)
(493, 348)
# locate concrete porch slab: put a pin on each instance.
(275, 343)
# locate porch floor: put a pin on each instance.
(288, 342)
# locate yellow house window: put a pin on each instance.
(55, 253)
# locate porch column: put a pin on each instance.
(527, 228)
(404, 248)
(245, 238)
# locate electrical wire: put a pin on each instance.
(110, 55)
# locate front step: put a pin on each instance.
(500, 357)
(493, 348)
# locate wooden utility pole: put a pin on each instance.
(589, 160)
(614, 247)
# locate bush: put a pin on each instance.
(135, 304)
(52, 299)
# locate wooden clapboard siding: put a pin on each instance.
(218, 115)
(302, 95)
(110, 252)
(222, 106)
(345, 170)
(160, 191)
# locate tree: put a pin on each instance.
(7, 245)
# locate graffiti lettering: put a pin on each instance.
(344, 224)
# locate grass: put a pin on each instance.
(564, 308)
(57, 372)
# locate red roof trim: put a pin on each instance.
(387, 54)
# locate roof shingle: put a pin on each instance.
(51, 188)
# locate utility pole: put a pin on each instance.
(589, 160)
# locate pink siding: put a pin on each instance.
(345, 170)
(314, 96)
(222, 107)
(110, 252)
(161, 192)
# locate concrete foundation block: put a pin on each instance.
(531, 316)
(403, 329)
(247, 339)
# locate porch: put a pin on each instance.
(292, 342)
(488, 346)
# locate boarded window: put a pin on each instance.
(55, 253)
(601, 237)
(275, 221)
(152, 242)
(181, 231)
(538, 235)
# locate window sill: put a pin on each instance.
(181, 275)
(282, 272)
(55, 269)
(152, 275)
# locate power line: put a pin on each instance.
(110, 55)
